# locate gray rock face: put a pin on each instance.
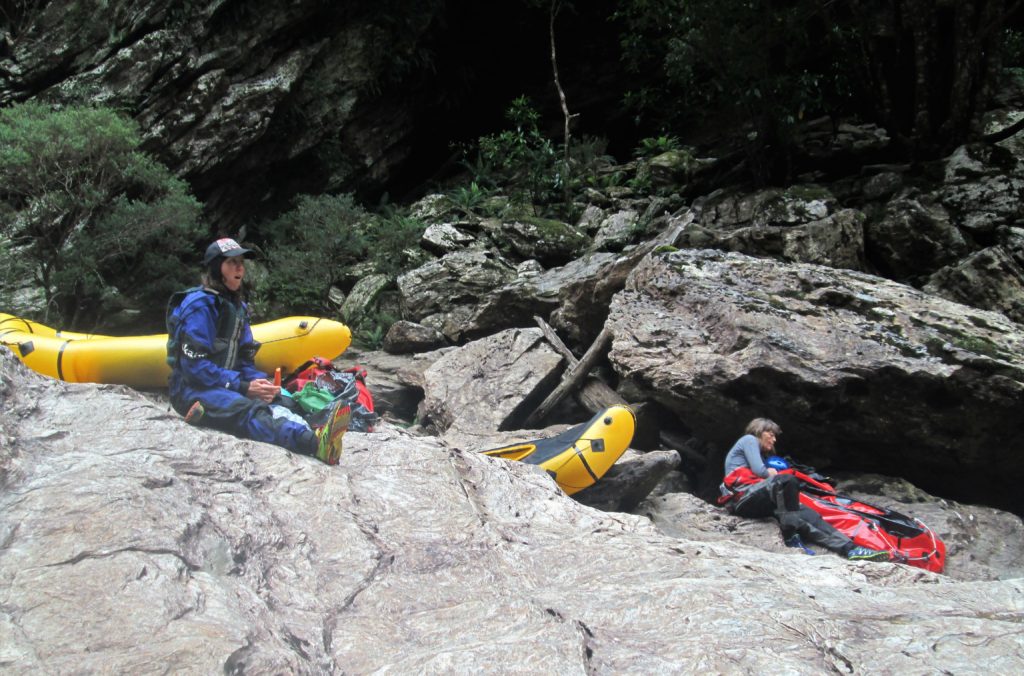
(405, 337)
(131, 540)
(240, 99)
(490, 384)
(867, 374)
(989, 279)
(798, 225)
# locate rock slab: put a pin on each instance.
(130, 542)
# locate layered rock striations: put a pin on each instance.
(131, 542)
(862, 373)
(251, 102)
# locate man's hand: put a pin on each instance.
(772, 472)
(263, 390)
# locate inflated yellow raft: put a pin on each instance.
(581, 455)
(140, 361)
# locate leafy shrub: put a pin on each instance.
(317, 245)
(530, 168)
(653, 146)
(521, 160)
(98, 222)
(468, 199)
(371, 332)
(394, 242)
(308, 250)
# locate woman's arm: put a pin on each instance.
(752, 453)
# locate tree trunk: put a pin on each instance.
(929, 66)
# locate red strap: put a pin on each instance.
(358, 371)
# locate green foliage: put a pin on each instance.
(656, 145)
(530, 168)
(308, 250)
(394, 240)
(522, 160)
(371, 331)
(1013, 50)
(469, 199)
(317, 244)
(94, 218)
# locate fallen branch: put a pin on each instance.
(595, 394)
(573, 376)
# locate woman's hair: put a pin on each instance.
(758, 426)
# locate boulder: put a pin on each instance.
(861, 373)
(396, 382)
(801, 224)
(883, 185)
(445, 291)
(432, 208)
(361, 302)
(988, 279)
(629, 481)
(404, 337)
(130, 540)
(676, 167)
(444, 238)
(490, 384)
(547, 241)
(727, 209)
(912, 238)
(1013, 241)
(591, 218)
(575, 296)
(984, 188)
(616, 230)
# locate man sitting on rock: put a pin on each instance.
(754, 490)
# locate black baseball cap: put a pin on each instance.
(225, 247)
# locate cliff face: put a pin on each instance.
(250, 101)
(256, 101)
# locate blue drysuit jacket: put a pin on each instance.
(215, 364)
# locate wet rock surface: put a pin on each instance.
(130, 539)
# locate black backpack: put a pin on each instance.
(173, 323)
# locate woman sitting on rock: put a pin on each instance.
(754, 490)
(214, 381)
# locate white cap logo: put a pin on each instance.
(227, 244)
